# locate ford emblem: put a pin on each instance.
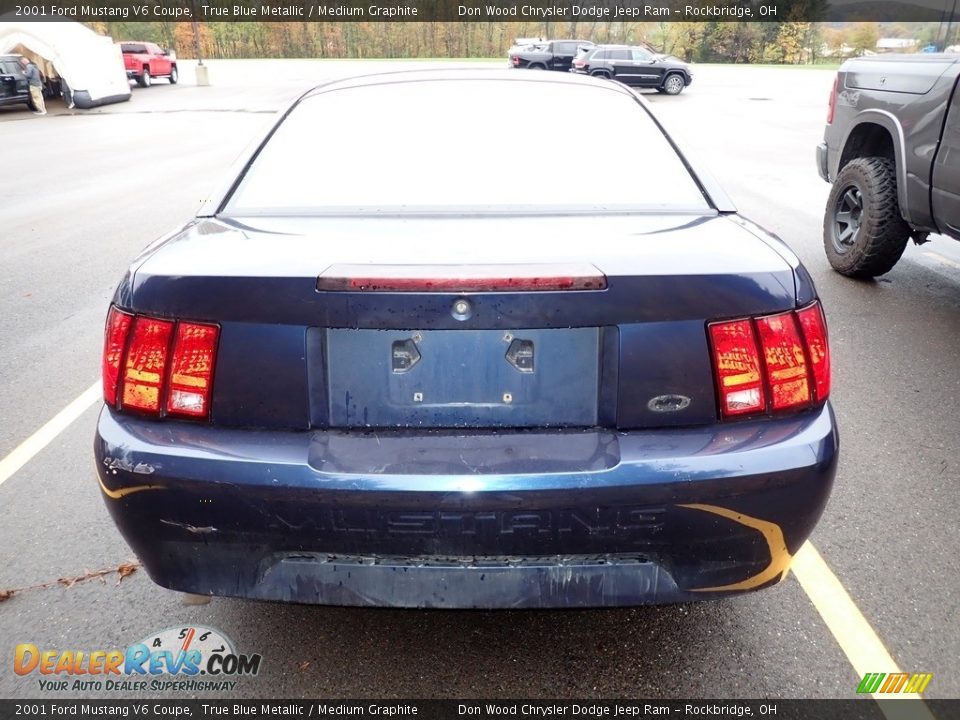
(668, 403)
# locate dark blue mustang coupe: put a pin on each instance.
(383, 367)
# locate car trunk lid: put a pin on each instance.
(463, 356)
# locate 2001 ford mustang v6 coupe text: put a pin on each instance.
(375, 371)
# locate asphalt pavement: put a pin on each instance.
(82, 192)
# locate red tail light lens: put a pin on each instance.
(114, 343)
(146, 364)
(814, 327)
(167, 365)
(191, 369)
(831, 108)
(785, 361)
(737, 363)
(776, 362)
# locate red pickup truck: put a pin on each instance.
(145, 61)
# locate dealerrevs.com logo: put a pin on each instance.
(187, 659)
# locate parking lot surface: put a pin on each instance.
(83, 192)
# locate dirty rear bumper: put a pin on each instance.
(459, 520)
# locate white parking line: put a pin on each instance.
(24, 452)
(853, 633)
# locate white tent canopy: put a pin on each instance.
(89, 63)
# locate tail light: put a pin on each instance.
(579, 64)
(114, 343)
(191, 369)
(814, 327)
(773, 363)
(157, 366)
(146, 365)
(737, 363)
(784, 358)
(832, 106)
(515, 60)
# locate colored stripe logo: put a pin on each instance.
(894, 683)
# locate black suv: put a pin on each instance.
(635, 66)
(553, 55)
(13, 83)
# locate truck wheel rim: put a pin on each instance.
(847, 216)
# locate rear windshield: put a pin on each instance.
(133, 48)
(456, 145)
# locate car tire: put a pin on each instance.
(145, 80)
(601, 74)
(673, 84)
(174, 75)
(864, 234)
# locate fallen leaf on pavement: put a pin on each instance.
(125, 570)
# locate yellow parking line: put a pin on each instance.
(862, 646)
(940, 258)
(24, 452)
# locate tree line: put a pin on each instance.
(787, 42)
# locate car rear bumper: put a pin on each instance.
(452, 519)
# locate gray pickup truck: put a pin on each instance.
(892, 152)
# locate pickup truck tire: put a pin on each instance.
(145, 79)
(863, 232)
(174, 75)
(536, 66)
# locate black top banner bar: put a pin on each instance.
(864, 709)
(546, 11)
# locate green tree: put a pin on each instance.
(864, 37)
(792, 40)
(729, 41)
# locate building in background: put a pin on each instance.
(897, 45)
